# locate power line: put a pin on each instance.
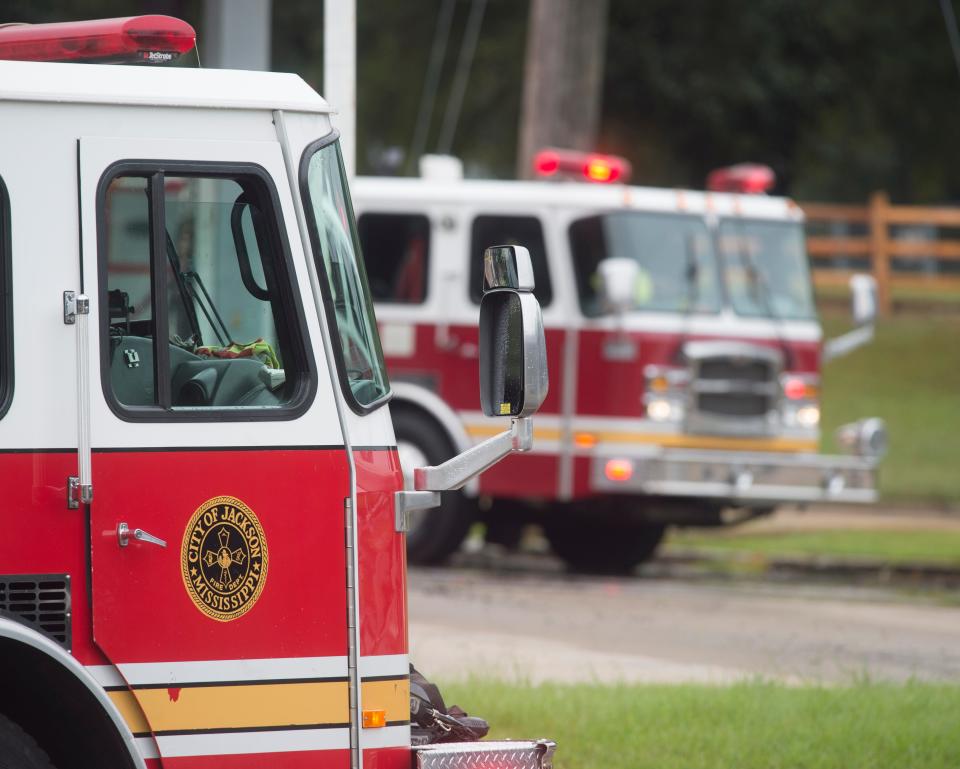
(951, 21)
(467, 49)
(437, 53)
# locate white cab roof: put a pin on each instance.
(505, 194)
(156, 86)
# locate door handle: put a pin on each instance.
(123, 536)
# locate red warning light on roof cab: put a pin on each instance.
(134, 39)
(747, 178)
(581, 166)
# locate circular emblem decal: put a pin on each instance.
(224, 558)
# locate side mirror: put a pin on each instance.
(863, 289)
(618, 280)
(513, 378)
(864, 297)
(513, 352)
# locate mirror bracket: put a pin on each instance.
(455, 472)
(405, 502)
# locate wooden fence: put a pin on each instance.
(864, 233)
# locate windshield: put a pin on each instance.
(678, 268)
(335, 246)
(766, 269)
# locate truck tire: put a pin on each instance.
(433, 535)
(599, 547)
(18, 750)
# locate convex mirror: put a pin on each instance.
(618, 283)
(863, 289)
(513, 351)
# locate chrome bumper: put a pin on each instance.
(755, 477)
(529, 754)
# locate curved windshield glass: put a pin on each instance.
(765, 268)
(677, 265)
(347, 295)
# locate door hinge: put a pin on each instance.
(73, 306)
(77, 493)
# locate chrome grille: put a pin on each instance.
(41, 601)
(734, 387)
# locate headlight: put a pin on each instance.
(663, 410)
(808, 416)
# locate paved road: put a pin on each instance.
(536, 623)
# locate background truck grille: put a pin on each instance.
(41, 601)
(749, 370)
(734, 404)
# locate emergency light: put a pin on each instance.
(748, 178)
(589, 166)
(135, 39)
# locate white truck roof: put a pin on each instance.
(157, 87)
(504, 194)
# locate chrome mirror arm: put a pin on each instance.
(429, 481)
(456, 471)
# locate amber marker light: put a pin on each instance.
(618, 470)
(585, 440)
(374, 719)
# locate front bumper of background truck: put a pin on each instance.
(507, 754)
(739, 477)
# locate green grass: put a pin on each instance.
(929, 547)
(910, 376)
(744, 726)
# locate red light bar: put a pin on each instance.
(589, 166)
(147, 39)
(748, 178)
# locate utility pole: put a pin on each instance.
(563, 76)
(340, 73)
(237, 34)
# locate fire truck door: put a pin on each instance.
(218, 466)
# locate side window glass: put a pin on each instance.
(510, 230)
(6, 306)
(396, 253)
(199, 305)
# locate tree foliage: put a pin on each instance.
(840, 96)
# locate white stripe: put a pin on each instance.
(147, 747)
(140, 673)
(385, 665)
(233, 743)
(106, 675)
(386, 737)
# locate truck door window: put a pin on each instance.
(510, 231)
(199, 311)
(396, 252)
(677, 268)
(333, 235)
(6, 306)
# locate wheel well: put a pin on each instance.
(57, 709)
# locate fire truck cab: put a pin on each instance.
(682, 331)
(203, 561)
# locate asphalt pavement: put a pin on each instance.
(522, 618)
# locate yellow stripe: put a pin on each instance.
(710, 442)
(130, 711)
(392, 696)
(667, 439)
(231, 707)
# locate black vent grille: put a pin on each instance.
(41, 601)
(734, 404)
(738, 369)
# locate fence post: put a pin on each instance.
(879, 251)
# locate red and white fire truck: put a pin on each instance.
(202, 561)
(683, 336)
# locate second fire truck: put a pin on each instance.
(683, 336)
